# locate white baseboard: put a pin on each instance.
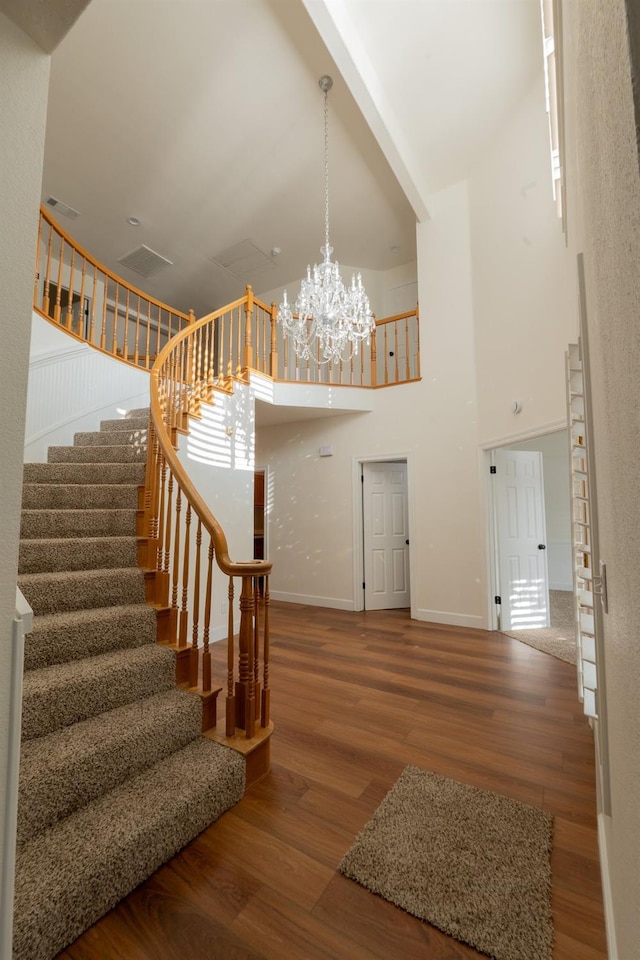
(605, 876)
(452, 619)
(311, 601)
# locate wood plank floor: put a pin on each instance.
(356, 697)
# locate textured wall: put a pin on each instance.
(604, 222)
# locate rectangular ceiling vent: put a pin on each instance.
(244, 260)
(62, 208)
(145, 261)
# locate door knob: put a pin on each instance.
(542, 546)
(407, 542)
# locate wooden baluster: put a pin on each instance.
(147, 358)
(247, 359)
(103, 330)
(167, 533)
(57, 308)
(417, 342)
(211, 366)
(361, 368)
(395, 344)
(273, 359)
(407, 371)
(231, 697)
(351, 370)
(170, 331)
(80, 328)
(197, 386)
(160, 594)
(256, 647)
(125, 340)
(114, 339)
(46, 299)
(220, 328)
(206, 655)
(374, 359)
(239, 354)
(69, 314)
(265, 708)
(245, 690)
(386, 354)
(36, 276)
(285, 352)
(184, 610)
(193, 664)
(92, 318)
(175, 575)
(136, 349)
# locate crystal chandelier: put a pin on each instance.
(328, 320)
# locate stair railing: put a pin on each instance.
(74, 291)
(185, 541)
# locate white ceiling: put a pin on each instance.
(204, 119)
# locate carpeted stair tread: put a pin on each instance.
(137, 413)
(67, 769)
(104, 522)
(81, 473)
(80, 589)
(67, 693)
(76, 553)
(62, 496)
(73, 873)
(74, 634)
(125, 423)
(120, 453)
(111, 438)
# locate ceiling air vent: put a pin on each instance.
(62, 208)
(144, 261)
(244, 260)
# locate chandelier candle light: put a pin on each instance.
(327, 316)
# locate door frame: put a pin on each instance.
(487, 460)
(358, 525)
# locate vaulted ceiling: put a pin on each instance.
(203, 118)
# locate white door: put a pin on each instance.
(386, 535)
(522, 556)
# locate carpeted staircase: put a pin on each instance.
(114, 774)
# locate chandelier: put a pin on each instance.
(328, 320)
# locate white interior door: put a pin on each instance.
(386, 535)
(521, 536)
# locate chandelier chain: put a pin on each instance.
(326, 169)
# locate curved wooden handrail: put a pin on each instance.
(398, 316)
(255, 568)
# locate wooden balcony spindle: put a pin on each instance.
(184, 609)
(245, 688)
(407, 371)
(80, 327)
(374, 359)
(160, 592)
(57, 308)
(175, 573)
(36, 274)
(147, 359)
(361, 367)
(168, 525)
(103, 328)
(46, 299)
(239, 347)
(273, 359)
(116, 311)
(395, 344)
(265, 707)
(247, 358)
(351, 370)
(219, 331)
(136, 350)
(256, 646)
(125, 339)
(386, 354)
(285, 352)
(92, 313)
(69, 312)
(206, 655)
(193, 663)
(231, 697)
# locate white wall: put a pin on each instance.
(72, 387)
(524, 294)
(24, 77)
(556, 466)
(603, 208)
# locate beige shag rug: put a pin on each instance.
(471, 862)
(558, 639)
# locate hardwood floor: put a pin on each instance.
(355, 697)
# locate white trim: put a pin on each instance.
(452, 619)
(311, 601)
(531, 434)
(607, 896)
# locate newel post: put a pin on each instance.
(245, 687)
(247, 358)
(273, 367)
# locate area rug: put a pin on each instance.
(471, 862)
(558, 640)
